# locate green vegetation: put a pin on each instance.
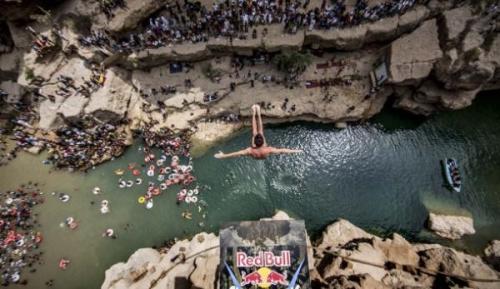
(210, 72)
(292, 63)
(29, 74)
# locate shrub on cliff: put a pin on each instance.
(292, 63)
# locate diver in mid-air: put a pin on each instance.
(259, 148)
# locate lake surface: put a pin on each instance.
(383, 176)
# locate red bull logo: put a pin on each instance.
(264, 278)
(263, 259)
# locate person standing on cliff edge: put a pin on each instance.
(259, 148)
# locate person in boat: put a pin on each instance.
(259, 148)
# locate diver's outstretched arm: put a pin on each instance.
(285, 151)
(221, 155)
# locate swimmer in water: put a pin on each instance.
(259, 149)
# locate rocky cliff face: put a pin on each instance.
(439, 55)
(344, 257)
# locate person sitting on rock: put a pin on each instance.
(259, 148)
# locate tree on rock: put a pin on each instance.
(292, 63)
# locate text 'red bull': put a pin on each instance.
(263, 259)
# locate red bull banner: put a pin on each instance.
(264, 254)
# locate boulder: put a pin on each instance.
(492, 254)
(339, 233)
(110, 102)
(412, 57)
(450, 261)
(451, 227)
(431, 92)
(468, 71)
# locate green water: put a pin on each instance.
(383, 176)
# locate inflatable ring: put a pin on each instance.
(194, 199)
(141, 200)
(183, 192)
(175, 158)
(189, 168)
(65, 198)
(38, 238)
(151, 167)
(187, 199)
(96, 191)
(159, 162)
(15, 277)
(149, 204)
(150, 173)
(169, 183)
(119, 172)
(20, 242)
(109, 232)
(138, 181)
(151, 156)
(9, 201)
(69, 220)
(163, 157)
(163, 186)
(136, 172)
(156, 191)
(161, 178)
(105, 203)
(195, 191)
(104, 209)
(171, 177)
(190, 193)
(122, 184)
(130, 183)
(63, 263)
(73, 225)
(146, 159)
(168, 170)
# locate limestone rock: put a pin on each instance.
(147, 268)
(450, 261)
(277, 41)
(49, 119)
(492, 254)
(136, 11)
(20, 36)
(14, 90)
(110, 102)
(9, 64)
(158, 56)
(339, 233)
(412, 57)
(455, 21)
(72, 107)
(451, 227)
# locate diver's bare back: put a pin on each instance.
(259, 149)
